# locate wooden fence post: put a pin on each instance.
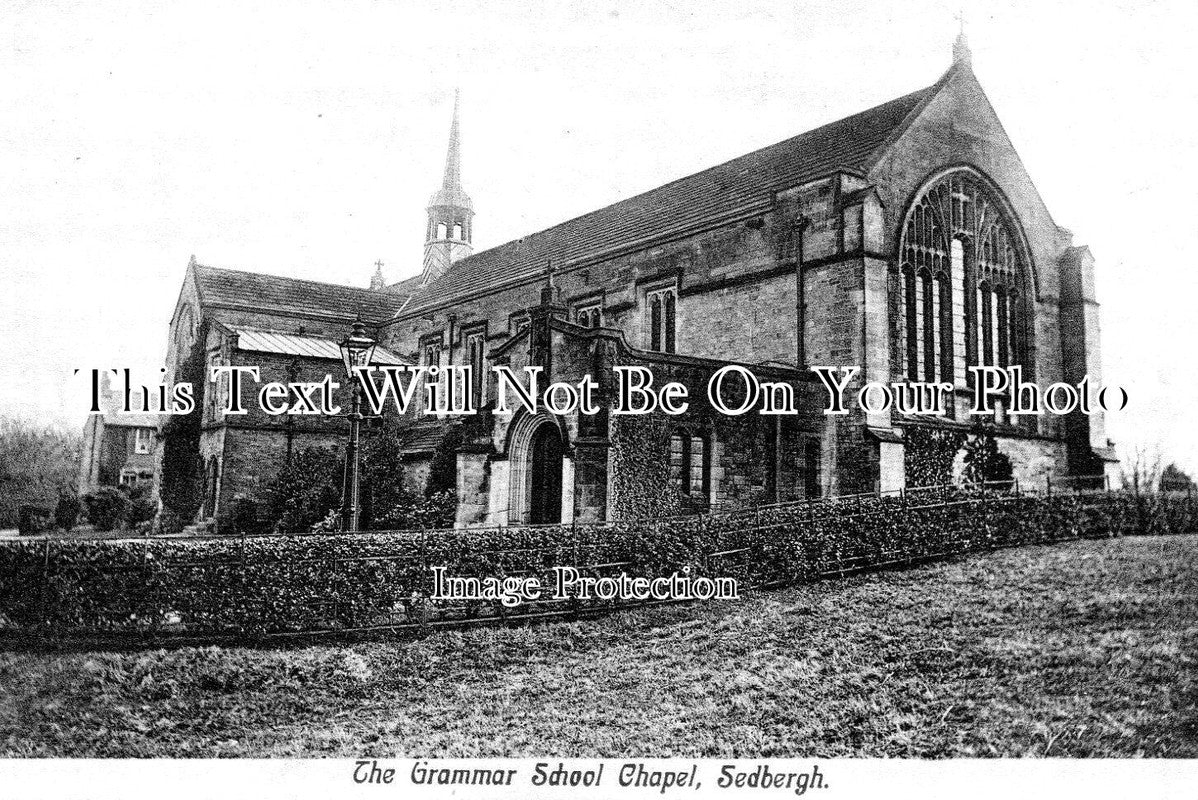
(149, 606)
(45, 589)
(423, 551)
(241, 566)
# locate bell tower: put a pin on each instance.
(450, 213)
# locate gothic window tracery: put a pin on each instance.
(475, 354)
(589, 316)
(661, 320)
(957, 291)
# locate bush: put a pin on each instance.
(240, 516)
(984, 463)
(67, 512)
(929, 455)
(331, 582)
(381, 487)
(142, 509)
(34, 519)
(420, 513)
(107, 508)
(168, 523)
(307, 494)
(139, 491)
(443, 466)
(304, 491)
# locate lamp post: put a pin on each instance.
(357, 350)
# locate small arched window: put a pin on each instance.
(589, 316)
(457, 231)
(662, 321)
(441, 230)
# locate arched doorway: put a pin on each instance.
(545, 475)
(539, 470)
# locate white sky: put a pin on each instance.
(303, 139)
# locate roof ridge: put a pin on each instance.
(713, 167)
(293, 279)
(928, 93)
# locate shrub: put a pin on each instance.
(34, 519)
(304, 491)
(241, 515)
(929, 454)
(107, 508)
(67, 512)
(984, 463)
(142, 509)
(443, 467)
(137, 492)
(381, 487)
(420, 513)
(168, 522)
(307, 494)
(303, 582)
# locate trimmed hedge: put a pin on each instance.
(328, 582)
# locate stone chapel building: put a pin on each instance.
(907, 239)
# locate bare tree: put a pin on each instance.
(1142, 470)
(36, 462)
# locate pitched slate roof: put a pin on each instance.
(723, 189)
(406, 287)
(272, 293)
(424, 436)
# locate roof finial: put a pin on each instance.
(549, 291)
(377, 281)
(961, 54)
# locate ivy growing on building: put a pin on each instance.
(443, 468)
(929, 455)
(182, 482)
(641, 485)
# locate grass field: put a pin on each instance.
(1081, 649)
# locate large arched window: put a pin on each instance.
(958, 289)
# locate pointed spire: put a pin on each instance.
(449, 230)
(377, 281)
(961, 54)
(453, 159)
